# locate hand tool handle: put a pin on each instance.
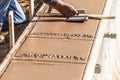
(95, 16)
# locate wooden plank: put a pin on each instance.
(108, 58)
(98, 42)
(116, 68)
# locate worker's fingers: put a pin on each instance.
(50, 9)
(74, 11)
(66, 9)
(70, 10)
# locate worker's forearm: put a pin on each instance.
(50, 2)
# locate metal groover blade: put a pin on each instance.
(77, 19)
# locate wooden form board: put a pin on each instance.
(56, 49)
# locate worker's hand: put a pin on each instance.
(66, 9)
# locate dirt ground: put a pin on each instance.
(4, 48)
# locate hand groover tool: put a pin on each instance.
(80, 17)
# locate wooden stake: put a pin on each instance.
(11, 29)
(31, 10)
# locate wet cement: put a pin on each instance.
(43, 71)
(56, 49)
(63, 50)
